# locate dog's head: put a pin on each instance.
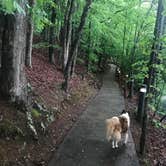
(125, 112)
(124, 124)
(124, 120)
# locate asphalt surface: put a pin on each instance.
(86, 144)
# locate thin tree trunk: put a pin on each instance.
(67, 32)
(52, 35)
(124, 35)
(1, 34)
(75, 43)
(89, 46)
(164, 117)
(74, 62)
(30, 27)
(45, 34)
(100, 59)
(13, 57)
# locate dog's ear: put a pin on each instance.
(123, 111)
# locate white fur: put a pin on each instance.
(126, 115)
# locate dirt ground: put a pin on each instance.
(17, 148)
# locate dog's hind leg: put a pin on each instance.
(126, 138)
(117, 139)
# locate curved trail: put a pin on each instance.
(86, 145)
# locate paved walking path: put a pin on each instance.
(86, 145)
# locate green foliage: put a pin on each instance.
(114, 25)
(41, 13)
(124, 31)
(10, 6)
(158, 124)
(93, 58)
(120, 31)
(140, 69)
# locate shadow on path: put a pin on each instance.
(86, 145)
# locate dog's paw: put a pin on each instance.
(113, 147)
(116, 146)
(124, 143)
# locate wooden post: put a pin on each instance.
(141, 103)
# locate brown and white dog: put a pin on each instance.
(116, 127)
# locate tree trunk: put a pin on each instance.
(13, 57)
(30, 27)
(1, 33)
(75, 43)
(67, 29)
(124, 34)
(74, 62)
(158, 31)
(52, 36)
(100, 59)
(45, 34)
(89, 46)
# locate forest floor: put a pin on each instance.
(156, 137)
(17, 148)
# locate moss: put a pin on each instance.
(35, 113)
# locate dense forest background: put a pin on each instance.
(87, 33)
(121, 32)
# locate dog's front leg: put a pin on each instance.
(126, 138)
(116, 144)
(113, 144)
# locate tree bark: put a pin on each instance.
(124, 34)
(74, 62)
(12, 78)
(75, 43)
(1, 33)
(89, 46)
(52, 35)
(30, 27)
(67, 29)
